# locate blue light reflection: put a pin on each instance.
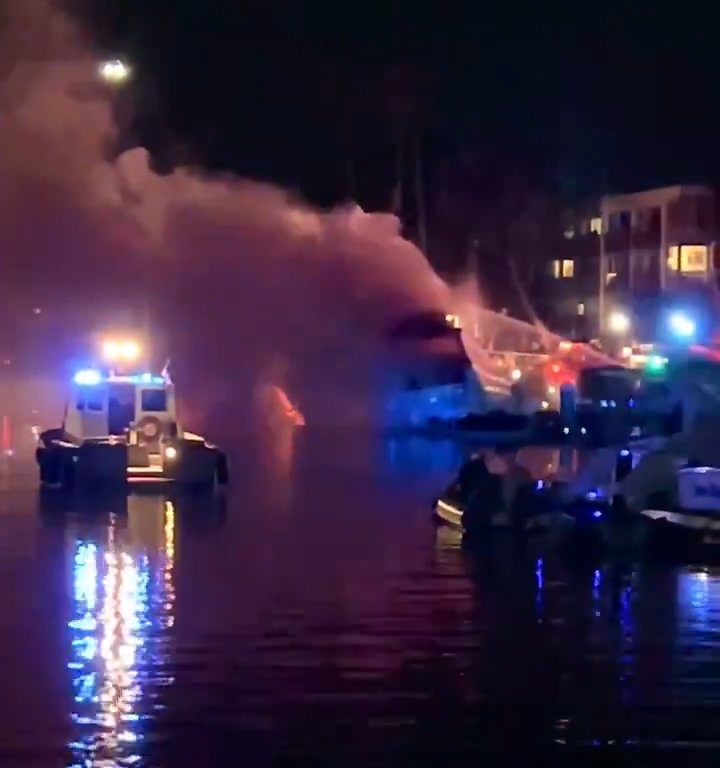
(539, 582)
(121, 602)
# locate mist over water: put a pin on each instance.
(247, 285)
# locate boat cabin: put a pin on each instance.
(140, 407)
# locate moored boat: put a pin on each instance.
(120, 429)
(479, 501)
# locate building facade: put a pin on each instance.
(629, 251)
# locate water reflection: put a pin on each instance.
(539, 589)
(698, 603)
(418, 455)
(122, 610)
(355, 615)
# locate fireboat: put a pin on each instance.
(120, 428)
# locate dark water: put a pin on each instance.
(320, 618)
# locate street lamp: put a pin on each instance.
(114, 71)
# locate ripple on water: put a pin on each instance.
(312, 626)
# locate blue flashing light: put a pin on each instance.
(539, 485)
(88, 378)
(592, 495)
(624, 452)
(682, 326)
(139, 378)
(147, 378)
(597, 514)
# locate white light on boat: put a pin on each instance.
(111, 350)
(171, 452)
(131, 350)
(114, 351)
(516, 374)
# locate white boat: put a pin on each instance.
(119, 429)
(695, 519)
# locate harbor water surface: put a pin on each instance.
(317, 616)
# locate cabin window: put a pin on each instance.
(90, 402)
(153, 400)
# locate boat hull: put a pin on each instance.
(683, 532)
(113, 464)
(449, 513)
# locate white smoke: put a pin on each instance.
(246, 281)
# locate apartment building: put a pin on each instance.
(629, 250)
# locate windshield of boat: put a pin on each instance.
(90, 399)
(153, 400)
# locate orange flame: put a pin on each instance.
(290, 411)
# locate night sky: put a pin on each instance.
(585, 97)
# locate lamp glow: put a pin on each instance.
(128, 351)
(618, 322)
(171, 452)
(111, 350)
(131, 350)
(114, 71)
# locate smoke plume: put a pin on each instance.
(246, 284)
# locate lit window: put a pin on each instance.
(596, 225)
(568, 267)
(673, 262)
(693, 258)
(610, 277)
(555, 268)
(581, 308)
